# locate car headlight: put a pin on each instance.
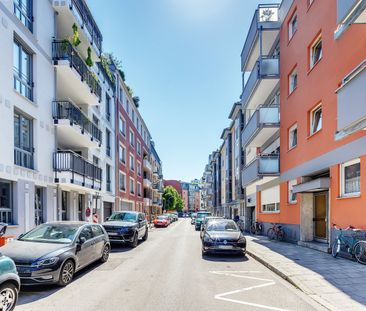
(242, 240)
(206, 238)
(46, 262)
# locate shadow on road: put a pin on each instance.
(225, 258)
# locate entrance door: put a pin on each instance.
(38, 206)
(320, 215)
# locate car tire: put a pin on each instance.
(105, 254)
(66, 273)
(8, 296)
(146, 235)
(135, 241)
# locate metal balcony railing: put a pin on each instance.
(63, 50)
(67, 110)
(69, 161)
(88, 22)
(24, 158)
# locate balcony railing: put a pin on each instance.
(81, 170)
(264, 117)
(24, 158)
(147, 164)
(63, 50)
(263, 165)
(67, 110)
(89, 22)
(265, 18)
(266, 67)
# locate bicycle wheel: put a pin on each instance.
(360, 252)
(280, 235)
(252, 229)
(336, 247)
(271, 233)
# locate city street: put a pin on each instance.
(168, 273)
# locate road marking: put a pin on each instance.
(241, 274)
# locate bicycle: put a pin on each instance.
(256, 228)
(276, 232)
(351, 244)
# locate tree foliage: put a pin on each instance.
(172, 201)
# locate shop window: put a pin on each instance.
(350, 178)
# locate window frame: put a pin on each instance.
(9, 211)
(291, 86)
(20, 149)
(290, 195)
(132, 186)
(119, 181)
(343, 166)
(132, 162)
(312, 114)
(122, 125)
(318, 40)
(291, 30)
(132, 139)
(18, 76)
(275, 211)
(122, 148)
(292, 129)
(28, 16)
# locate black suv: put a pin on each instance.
(127, 227)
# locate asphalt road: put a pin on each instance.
(168, 273)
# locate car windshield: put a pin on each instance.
(222, 226)
(203, 215)
(52, 233)
(162, 218)
(131, 217)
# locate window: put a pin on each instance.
(95, 160)
(122, 181)
(133, 116)
(138, 147)
(271, 207)
(108, 178)
(23, 71)
(292, 137)
(138, 169)
(292, 81)
(292, 196)
(316, 52)
(132, 138)
(108, 144)
(6, 202)
(316, 120)
(128, 107)
(86, 233)
(122, 125)
(292, 27)
(95, 120)
(139, 189)
(132, 162)
(108, 107)
(350, 178)
(122, 154)
(23, 10)
(23, 141)
(132, 186)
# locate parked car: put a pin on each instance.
(9, 279)
(181, 214)
(223, 236)
(175, 216)
(205, 222)
(53, 252)
(170, 217)
(127, 227)
(161, 221)
(193, 218)
(199, 219)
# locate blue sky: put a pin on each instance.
(182, 58)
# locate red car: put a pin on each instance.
(161, 221)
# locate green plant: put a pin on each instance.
(89, 60)
(65, 45)
(136, 101)
(105, 62)
(75, 36)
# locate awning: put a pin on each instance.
(315, 185)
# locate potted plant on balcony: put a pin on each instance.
(89, 60)
(65, 48)
(75, 37)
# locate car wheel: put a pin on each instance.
(135, 241)
(144, 238)
(66, 273)
(8, 296)
(106, 252)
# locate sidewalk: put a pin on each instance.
(337, 284)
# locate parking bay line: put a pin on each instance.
(233, 274)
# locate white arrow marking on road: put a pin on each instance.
(235, 274)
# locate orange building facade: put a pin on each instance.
(322, 177)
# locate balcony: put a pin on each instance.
(261, 82)
(74, 128)
(77, 12)
(351, 102)
(158, 186)
(157, 202)
(147, 183)
(262, 125)
(72, 169)
(263, 32)
(147, 165)
(74, 78)
(262, 166)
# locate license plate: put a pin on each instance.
(23, 270)
(112, 233)
(225, 247)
